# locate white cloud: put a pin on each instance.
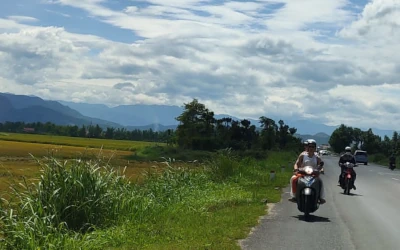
(296, 15)
(242, 58)
(23, 19)
(379, 23)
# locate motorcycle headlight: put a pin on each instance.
(308, 170)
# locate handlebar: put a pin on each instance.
(349, 165)
(301, 171)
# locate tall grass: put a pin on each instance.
(87, 204)
(69, 197)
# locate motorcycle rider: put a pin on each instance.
(315, 160)
(305, 152)
(305, 146)
(392, 160)
(347, 157)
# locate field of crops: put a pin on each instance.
(16, 161)
(77, 141)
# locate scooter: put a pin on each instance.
(346, 182)
(308, 190)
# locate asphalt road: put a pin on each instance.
(367, 219)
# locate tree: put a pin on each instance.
(196, 128)
(371, 142)
(341, 138)
(268, 134)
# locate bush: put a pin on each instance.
(69, 196)
(223, 165)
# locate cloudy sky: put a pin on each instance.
(335, 61)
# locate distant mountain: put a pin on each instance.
(150, 115)
(34, 109)
(158, 117)
(164, 115)
(130, 115)
(320, 138)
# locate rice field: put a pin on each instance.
(17, 163)
(124, 145)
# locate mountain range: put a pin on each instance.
(158, 117)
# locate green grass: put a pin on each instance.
(91, 205)
(78, 141)
(159, 152)
(381, 159)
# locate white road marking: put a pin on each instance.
(395, 179)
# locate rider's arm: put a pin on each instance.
(298, 162)
(340, 161)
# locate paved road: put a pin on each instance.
(368, 219)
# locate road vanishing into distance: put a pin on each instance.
(369, 218)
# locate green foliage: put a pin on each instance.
(157, 153)
(341, 138)
(378, 149)
(69, 197)
(223, 165)
(90, 131)
(199, 130)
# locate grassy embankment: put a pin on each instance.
(381, 159)
(91, 205)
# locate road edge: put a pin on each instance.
(269, 212)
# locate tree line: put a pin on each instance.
(198, 129)
(88, 131)
(365, 140)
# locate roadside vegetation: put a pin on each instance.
(90, 205)
(379, 149)
(209, 191)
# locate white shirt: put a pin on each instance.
(310, 161)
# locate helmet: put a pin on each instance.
(305, 143)
(347, 149)
(312, 141)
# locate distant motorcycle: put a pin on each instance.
(392, 166)
(321, 168)
(308, 190)
(346, 182)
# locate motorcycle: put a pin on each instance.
(392, 166)
(308, 190)
(346, 182)
(321, 168)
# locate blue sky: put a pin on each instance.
(78, 20)
(238, 57)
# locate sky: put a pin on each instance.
(330, 61)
